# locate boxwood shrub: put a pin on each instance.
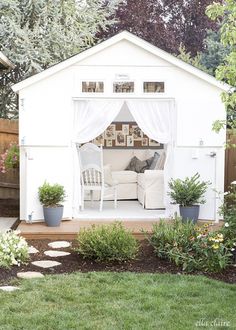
(107, 243)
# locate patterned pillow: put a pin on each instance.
(138, 165)
(154, 162)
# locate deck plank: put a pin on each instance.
(69, 229)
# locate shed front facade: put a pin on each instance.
(123, 72)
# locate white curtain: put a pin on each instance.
(91, 118)
(153, 117)
(156, 118)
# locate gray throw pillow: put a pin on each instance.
(155, 160)
(138, 165)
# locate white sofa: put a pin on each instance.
(147, 187)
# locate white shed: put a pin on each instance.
(124, 73)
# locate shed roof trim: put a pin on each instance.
(125, 35)
(5, 62)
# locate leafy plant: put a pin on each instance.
(191, 247)
(51, 195)
(10, 158)
(189, 191)
(228, 211)
(13, 249)
(107, 243)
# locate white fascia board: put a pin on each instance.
(5, 61)
(125, 35)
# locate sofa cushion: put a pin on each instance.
(138, 165)
(155, 161)
(125, 176)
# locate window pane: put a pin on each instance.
(92, 87)
(123, 87)
(154, 87)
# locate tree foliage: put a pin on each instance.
(37, 34)
(226, 12)
(214, 52)
(166, 23)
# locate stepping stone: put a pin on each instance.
(32, 249)
(53, 253)
(46, 263)
(29, 275)
(59, 244)
(9, 288)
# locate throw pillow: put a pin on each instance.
(154, 162)
(107, 174)
(161, 162)
(138, 165)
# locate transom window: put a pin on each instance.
(154, 87)
(92, 87)
(123, 87)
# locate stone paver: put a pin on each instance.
(6, 223)
(54, 253)
(9, 288)
(29, 275)
(46, 263)
(32, 250)
(59, 244)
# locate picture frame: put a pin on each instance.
(125, 129)
(109, 143)
(120, 139)
(99, 140)
(129, 140)
(145, 142)
(137, 133)
(110, 133)
(153, 143)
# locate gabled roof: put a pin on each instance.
(5, 63)
(125, 35)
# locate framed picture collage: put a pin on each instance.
(128, 135)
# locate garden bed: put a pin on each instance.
(146, 262)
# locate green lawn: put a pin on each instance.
(118, 301)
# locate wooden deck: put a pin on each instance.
(70, 229)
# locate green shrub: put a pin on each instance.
(10, 158)
(191, 247)
(51, 195)
(13, 249)
(189, 191)
(107, 243)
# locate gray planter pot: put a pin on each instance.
(53, 215)
(189, 213)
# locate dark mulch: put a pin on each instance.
(9, 208)
(146, 262)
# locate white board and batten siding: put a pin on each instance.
(47, 109)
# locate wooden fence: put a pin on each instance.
(9, 182)
(230, 162)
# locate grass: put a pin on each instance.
(110, 301)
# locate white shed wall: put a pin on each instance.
(46, 120)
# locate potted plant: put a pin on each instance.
(51, 197)
(188, 193)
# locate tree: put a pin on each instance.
(37, 34)
(166, 23)
(226, 14)
(214, 52)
